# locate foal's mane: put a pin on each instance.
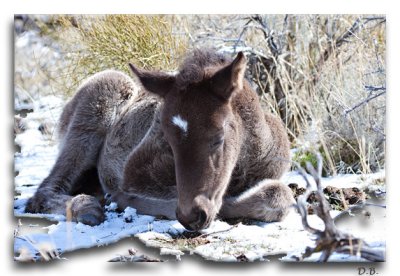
(193, 67)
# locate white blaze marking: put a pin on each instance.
(179, 122)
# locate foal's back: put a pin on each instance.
(111, 104)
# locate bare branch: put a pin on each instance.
(331, 239)
(365, 252)
(218, 232)
(375, 88)
(337, 43)
(355, 207)
(370, 98)
(381, 19)
(269, 36)
(133, 257)
(302, 202)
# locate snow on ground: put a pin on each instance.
(38, 152)
(373, 182)
(220, 242)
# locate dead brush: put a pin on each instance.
(331, 239)
(324, 75)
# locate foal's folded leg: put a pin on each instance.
(269, 200)
(54, 194)
(146, 205)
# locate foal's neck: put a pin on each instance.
(256, 137)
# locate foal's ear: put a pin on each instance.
(230, 78)
(159, 83)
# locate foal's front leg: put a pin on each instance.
(54, 194)
(269, 200)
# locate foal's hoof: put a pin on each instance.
(89, 219)
(87, 210)
(35, 204)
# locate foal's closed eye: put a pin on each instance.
(217, 142)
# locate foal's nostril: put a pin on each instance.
(200, 222)
(202, 217)
(196, 220)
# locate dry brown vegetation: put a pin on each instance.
(95, 43)
(324, 75)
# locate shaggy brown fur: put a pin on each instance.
(197, 146)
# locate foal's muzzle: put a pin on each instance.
(196, 220)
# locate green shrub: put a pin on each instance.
(304, 156)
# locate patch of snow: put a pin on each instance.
(373, 182)
(232, 49)
(174, 252)
(111, 207)
(68, 236)
(38, 152)
(129, 214)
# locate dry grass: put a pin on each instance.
(323, 90)
(318, 73)
(94, 43)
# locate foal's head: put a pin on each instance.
(200, 126)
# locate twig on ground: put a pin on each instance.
(331, 239)
(133, 257)
(355, 207)
(218, 232)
